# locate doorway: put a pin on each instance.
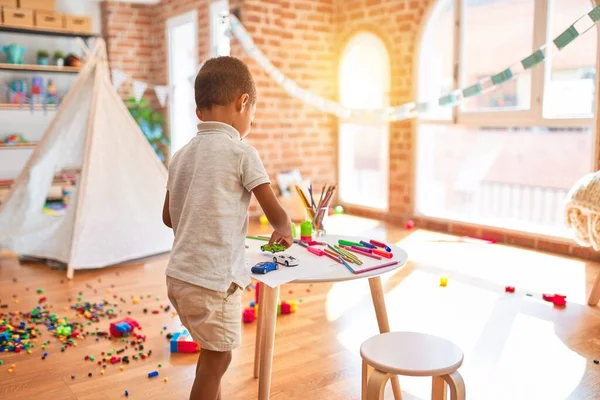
(182, 42)
(364, 148)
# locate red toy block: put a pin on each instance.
(559, 300)
(548, 297)
(248, 316)
(286, 307)
(509, 289)
(124, 327)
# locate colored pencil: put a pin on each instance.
(377, 267)
(334, 254)
(347, 265)
(350, 255)
(336, 259)
(361, 252)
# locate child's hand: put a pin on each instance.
(284, 240)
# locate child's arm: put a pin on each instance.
(276, 214)
(166, 215)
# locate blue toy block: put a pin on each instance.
(123, 327)
(173, 342)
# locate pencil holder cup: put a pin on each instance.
(319, 221)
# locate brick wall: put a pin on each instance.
(297, 35)
(130, 41)
(305, 39)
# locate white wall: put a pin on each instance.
(82, 7)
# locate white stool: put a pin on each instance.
(411, 354)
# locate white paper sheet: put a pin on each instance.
(309, 265)
(315, 267)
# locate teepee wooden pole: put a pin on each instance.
(84, 165)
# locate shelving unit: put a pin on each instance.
(46, 32)
(37, 107)
(19, 146)
(10, 153)
(38, 68)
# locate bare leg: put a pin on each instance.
(209, 371)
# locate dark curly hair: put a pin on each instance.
(221, 80)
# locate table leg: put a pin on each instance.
(382, 321)
(595, 293)
(259, 335)
(268, 301)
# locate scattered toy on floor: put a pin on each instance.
(123, 328)
(181, 342)
(509, 289)
(443, 281)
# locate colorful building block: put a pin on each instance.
(248, 315)
(444, 281)
(181, 342)
(509, 289)
(123, 328)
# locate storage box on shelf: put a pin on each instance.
(46, 5)
(49, 19)
(9, 3)
(17, 17)
(78, 23)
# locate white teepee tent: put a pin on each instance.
(116, 205)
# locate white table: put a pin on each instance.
(267, 318)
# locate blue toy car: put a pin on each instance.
(264, 267)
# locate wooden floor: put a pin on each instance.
(516, 346)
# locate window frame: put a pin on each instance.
(498, 119)
(532, 117)
(385, 126)
(215, 10)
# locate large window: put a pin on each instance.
(508, 157)
(363, 148)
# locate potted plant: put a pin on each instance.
(59, 57)
(151, 123)
(42, 57)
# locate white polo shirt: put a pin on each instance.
(210, 183)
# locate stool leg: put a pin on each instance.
(457, 386)
(438, 388)
(382, 320)
(376, 385)
(365, 377)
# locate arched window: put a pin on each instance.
(506, 158)
(363, 149)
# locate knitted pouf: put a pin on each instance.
(582, 211)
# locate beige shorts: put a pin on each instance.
(214, 319)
